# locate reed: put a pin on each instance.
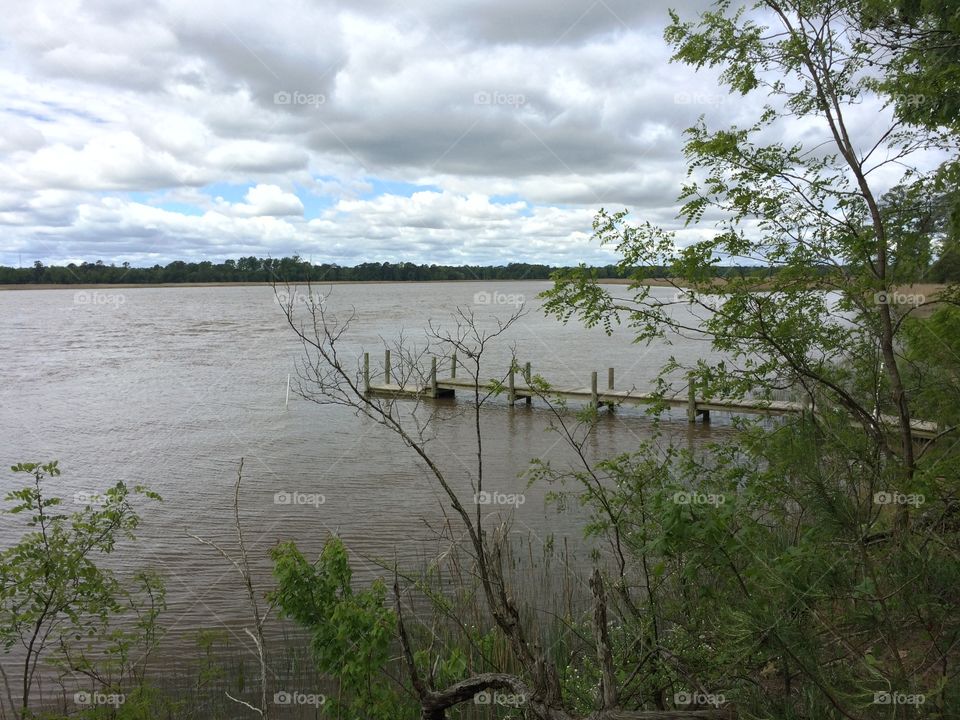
(447, 615)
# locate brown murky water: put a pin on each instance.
(170, 387)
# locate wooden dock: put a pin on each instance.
(519, 389)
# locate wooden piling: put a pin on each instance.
(527, 374)
(453, 364)
(433, 376)
(448, 386)
(609, 378)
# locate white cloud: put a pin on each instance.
(268, 200)
(122, 124)
(257, 157)
(118, 160)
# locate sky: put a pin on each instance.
(454, 132)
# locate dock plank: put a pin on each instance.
(447, 386)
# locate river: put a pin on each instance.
(170, 387)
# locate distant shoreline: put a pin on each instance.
(94, 286)
(930, 290)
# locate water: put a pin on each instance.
(170, 387)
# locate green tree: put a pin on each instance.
(814, 219)
(52, 589)
(917, 44)
(818, 581)
(351, 631)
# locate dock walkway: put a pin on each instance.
(440, 387)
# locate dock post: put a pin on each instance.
(366, 372)
(691, 399)
(512, 393)
(453, 366)
(386, 367)
(433, 376)
(593, 390)
(528, 376)
(609, 378)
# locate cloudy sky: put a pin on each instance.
(481, 131)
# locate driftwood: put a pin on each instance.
(435, 703)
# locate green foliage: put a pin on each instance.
(932, 351)
(766, 574)
(142, 702)
(209, 669)
(922, 76)
(53, 592)
(806, 217)
(804, 568)
(351, 631)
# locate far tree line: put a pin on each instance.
(295, 269)
(946, 268)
